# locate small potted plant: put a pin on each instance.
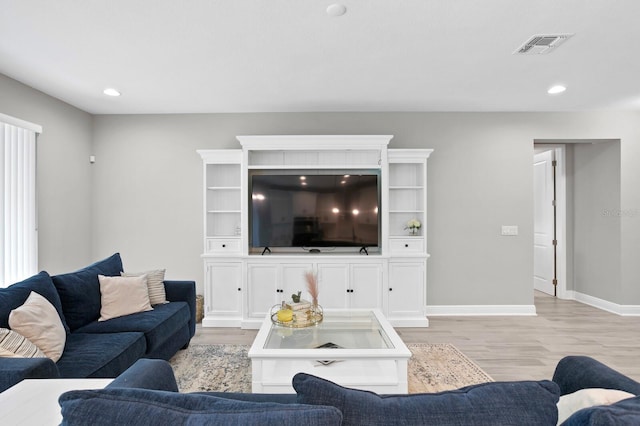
(413, 226)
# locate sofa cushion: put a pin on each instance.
(38, 321)
(623, 413)
(155, 284)
(147, 407)
(503, 403)
(120, 296)
(15, 345)
(16, 294)
(14, 370)
(100, 355)
(157, 325)
(80, 290)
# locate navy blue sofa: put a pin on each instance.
(98, 349)
(147, 394)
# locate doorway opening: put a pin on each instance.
(550, 219)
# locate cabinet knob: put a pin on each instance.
(406, 245)
(224, 245)
(390, 289)
(239, 289)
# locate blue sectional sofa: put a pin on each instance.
(98, 348)
(147, 394)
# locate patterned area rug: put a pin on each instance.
(432, 368)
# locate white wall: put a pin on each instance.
(147, 192)
(64, 176)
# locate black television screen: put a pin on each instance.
(325, 209)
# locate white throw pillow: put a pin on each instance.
(38, 321)
(15, 345)
(121, 296)
(155, 284)
(573, 402)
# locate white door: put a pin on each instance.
(366, 286)
(543, 230)
(262, 289)
(333, 285)
(406, 290)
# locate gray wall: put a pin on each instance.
(597, 220)
(143, 196)
(147, 198)
(64, 177)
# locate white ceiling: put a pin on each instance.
(171, 56)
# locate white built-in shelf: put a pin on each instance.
(240, 286)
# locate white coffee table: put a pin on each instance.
(370, 356)
(35, 401)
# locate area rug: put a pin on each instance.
(227, 368)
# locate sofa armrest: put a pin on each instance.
(14, 370)
(581, 372)
(152, 374)
(183, 291)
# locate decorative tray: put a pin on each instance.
(306, 318)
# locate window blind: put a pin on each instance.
(18, 209)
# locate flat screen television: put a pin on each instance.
(314, 210)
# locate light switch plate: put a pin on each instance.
(509, 230)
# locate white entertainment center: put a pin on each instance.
(242, 284)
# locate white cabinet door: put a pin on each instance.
(366, 286)
(292, 280)
(223, 293)
(406, 289)
(350, 286)
(333, 285)
(262, 289)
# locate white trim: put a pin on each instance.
(20, 123)
(605, 305)
(480, 310)
(560, 155)
(313, 142)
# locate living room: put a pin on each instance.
(142, 196)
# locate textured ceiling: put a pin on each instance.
(169, 56)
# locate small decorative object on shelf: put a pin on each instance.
(413, 226)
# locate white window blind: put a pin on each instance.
(18, 210)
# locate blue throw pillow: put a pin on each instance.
(499, 403)
(140, 407)
(623, 413)
(80, 290)
(16, 294)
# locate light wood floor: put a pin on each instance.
(513, 347)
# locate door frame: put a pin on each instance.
(560, 152)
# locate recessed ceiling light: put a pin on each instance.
(336, 10)
(111, 92)
(556, 89)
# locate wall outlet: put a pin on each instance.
(509, 230)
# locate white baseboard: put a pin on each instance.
(605, 305)
(480, 310)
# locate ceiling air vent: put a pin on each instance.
(542, 43)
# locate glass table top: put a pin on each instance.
(338, 330)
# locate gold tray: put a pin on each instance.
(315, 318)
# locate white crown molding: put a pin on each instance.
(481, 310)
